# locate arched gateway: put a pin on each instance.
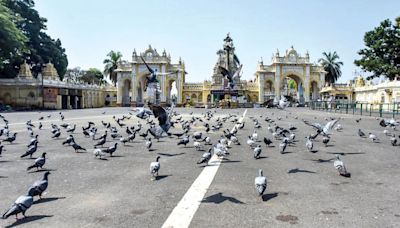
(278, 78)
(131, 78)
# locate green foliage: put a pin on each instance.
(42, 48)
(111, 64)
(93, 76)
(381, 55)
(12, 42)
(292, 84)
(331, 66)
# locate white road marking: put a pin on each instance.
(183, 213)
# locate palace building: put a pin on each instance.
(289, 74)
(270, 80)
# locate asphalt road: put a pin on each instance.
(303, 190)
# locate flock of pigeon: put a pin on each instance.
(184, 132)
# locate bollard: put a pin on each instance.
(370, 109)
(380, 110)
(347, 108)
(361, 109)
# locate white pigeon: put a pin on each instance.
(98, 153)
(260, 183)
(339, 166)
(208, 140)
(197, 145)
(373, 137)
(309, 144)
(155, 168)
(257, 151)
(254, 136)
(251, 142)
(338, 127)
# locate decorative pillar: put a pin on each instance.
(119, 89)
(278, 82)
(307, 84)
(261, 83)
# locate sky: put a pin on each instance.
(194, 30)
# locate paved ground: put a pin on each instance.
(118, 192)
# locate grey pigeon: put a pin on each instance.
(40, 186)
(39, 162)
(30, 151)
(21, 205)
(206, 157)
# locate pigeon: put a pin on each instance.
(251, 142)
(70, 139)
(339, 166)
(260, 183)
(39, 162)
(373, 137)
(325, 129)
(197, 145)
(56, 134)
(21, 205)
(77, 147)
(254, 136)
(40, 186)
(206, 157)
(71, 129)
(149, 143)
(1, 149)
(267, 141)
(11, 139)
(98, 153)
(183, 141)
(155, 167)
(309, 144)
(100, 143)
(124, 140)
(361, 134)
(40, 125)
(33, 140)
(393, 141)
(283, 145)
(325, 140)
(30, 151)
(110, 150)
(257, 151)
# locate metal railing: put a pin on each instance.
(358, 108)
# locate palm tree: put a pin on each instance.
(111, 64)
(331, 66)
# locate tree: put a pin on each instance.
(382, 53)
(93, 76)
(332, 66)
(111, 64)
(12, 42)
(42, 48)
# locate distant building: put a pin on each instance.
(359, 90)
(25, 91)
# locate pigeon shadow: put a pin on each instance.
(219, 198)
(150, 150)
(42, 170)
(170, 155)
(297, 170)
(28, 219)
(270, 196)
(3, 177)
(287, 152)
(46, 200)
(344, 154)
(322, 160)
(225, 160)
(4, 161)
(262, 157)
(160, 177)
(117, 156)
(329, 145)
(313, 151)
